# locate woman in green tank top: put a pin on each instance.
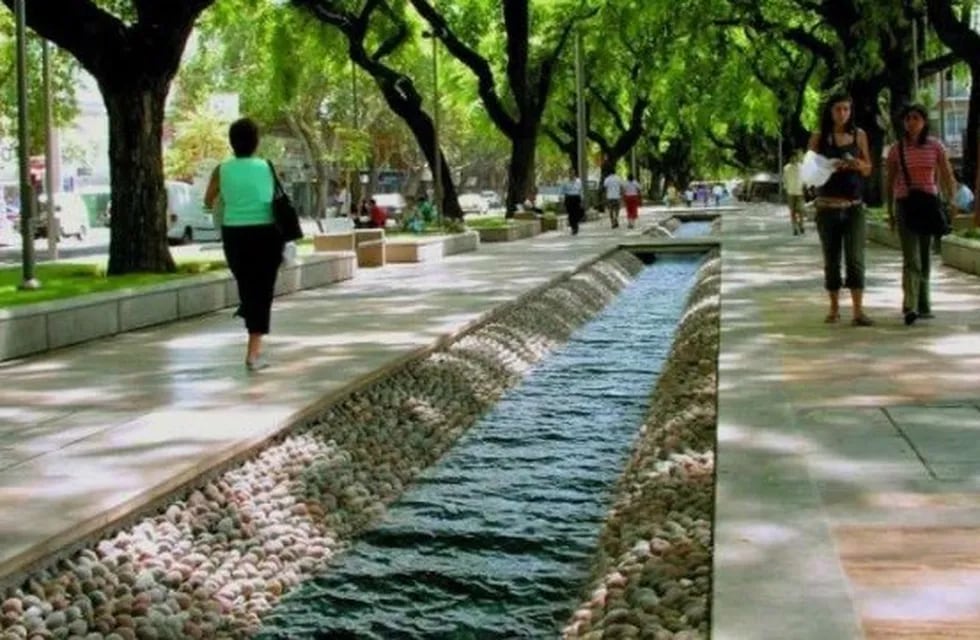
(253, 247)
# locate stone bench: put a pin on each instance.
(338, 241)
(366, 235)
(372, 253)
(431, 248)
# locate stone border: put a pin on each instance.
(37, 328)
(432, 248)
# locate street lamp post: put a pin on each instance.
(437, 172)
(436, 155)
(49, 156)
(580, 113)
(26, 189)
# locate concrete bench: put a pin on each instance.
(334, 242)
(371, 253)
(366, 235)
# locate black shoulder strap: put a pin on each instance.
(905, 168)
(275, 178)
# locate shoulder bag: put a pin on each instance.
(924, 214)
(283, 212)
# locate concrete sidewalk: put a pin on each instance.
(89, 433)
(848, 497)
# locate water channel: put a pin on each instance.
(495, 540)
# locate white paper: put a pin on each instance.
(817, 169)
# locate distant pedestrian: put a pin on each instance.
(793, 185)
(703, 194)
(840, 209)
(252, 244)
(688, 196)
(632, 198)
(614, 195)
(379, 217)
(928, 169)
(571, 190)
(716, 192)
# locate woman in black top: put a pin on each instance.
(840, 211)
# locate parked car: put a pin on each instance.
(492, 198)
(548, 194)
(70, 213)
(392, 203)
(473, 203)
(9, 233)
(187, 220)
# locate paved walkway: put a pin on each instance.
(848, 480)
(849, 458)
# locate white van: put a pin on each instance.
(69, 211)
(187, 220)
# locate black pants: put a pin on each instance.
(254, 253)
(573, 207)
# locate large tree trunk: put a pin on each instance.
(405, 101)
(520, 174)
(138, 229)
(970, 150)
(865, 95)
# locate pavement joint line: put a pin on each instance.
(908, 440)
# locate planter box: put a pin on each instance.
(432, 248)
(961, 253)
(516, 230)
(556, 223)
(36, 328)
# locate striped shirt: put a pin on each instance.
(923, 162)
(631, 188)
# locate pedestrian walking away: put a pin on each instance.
(793, 185)
(253, 246)
(632, 198)
(614, 194)
(571, 190)
(927, 168)
(840, 208)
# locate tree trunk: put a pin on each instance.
(969, 169)
(865, 96)
(407, 105)
(138, 228)
(520, 173)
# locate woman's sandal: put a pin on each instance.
(862, 321)
(832, 317)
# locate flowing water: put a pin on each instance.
(495, 540)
